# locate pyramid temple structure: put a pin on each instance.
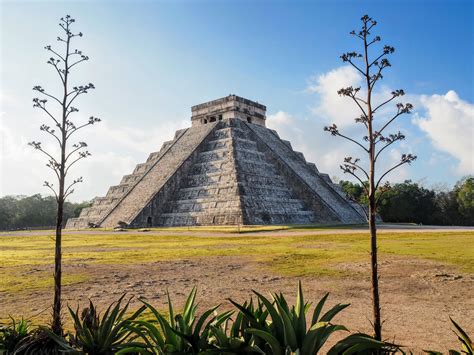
(226, 169)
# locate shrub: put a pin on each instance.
(182, 333)
(96, 335)
(38, 342)
(12, 334)
(257, 326)
(287, 332)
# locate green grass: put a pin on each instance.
(12, 282)
(238, 229)
(307, 255)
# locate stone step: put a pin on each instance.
(336, 207)
(141, 168)
(274, 191)
(179, 132)
(160, 176)
(250, 155)
(104, 201)
(187, 193)
(118, 190)
(130, 178)
(199, 218)
(259, 179)
(228, 132)
(245, 143)
(237, 141)
(100, 200)
(219, 203)
(274, 205)
(211, 166)
(78, 222)
(210, 179)
(154, 156)
(300, 155)
(223, 143)
(266, 217)
(225, 153)
(215, 155)
(313, 167)
(166, 145)
(209, 207)
(232, 218)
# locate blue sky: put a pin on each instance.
(152, 60)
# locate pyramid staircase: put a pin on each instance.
(231, 182)
(226, 172)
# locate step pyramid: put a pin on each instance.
(226, 169)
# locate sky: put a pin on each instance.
(150, 61)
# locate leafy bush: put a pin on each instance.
(183, 333)
(12, 334)
(98, 335)
(38, 342)
(287, 332)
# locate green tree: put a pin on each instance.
(353, 190)
(408, 202)
(34, 211)
(464, 190)
(8, 212)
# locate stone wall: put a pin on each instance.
(306, 174)
(130, 205)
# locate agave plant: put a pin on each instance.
(362, 344)
(182, 333)
(232, 338)
(12, 334)
(38, 342)
(96, 335)
(466, 342)
(288, 333)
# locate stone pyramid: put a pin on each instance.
(228, 168)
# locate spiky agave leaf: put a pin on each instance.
(164, 338)
(102, 335)
(361, 344)
(288, 324)
(12, 333)
(467, 344)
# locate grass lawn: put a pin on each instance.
(25, 261)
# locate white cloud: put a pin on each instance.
(330, 106)
(449, 124)
(326, 151)
(115, 152)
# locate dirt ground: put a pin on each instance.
(418, 296)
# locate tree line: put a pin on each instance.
(409, 202)
(406, 202)
(18, 212)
